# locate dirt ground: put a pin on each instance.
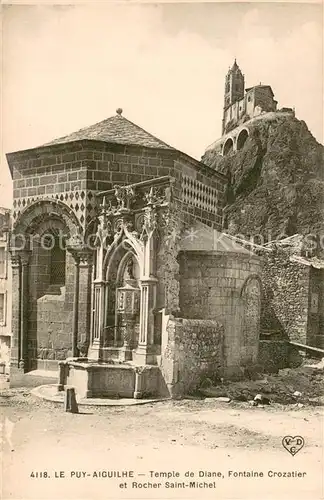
(187, 439)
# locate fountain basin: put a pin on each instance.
(92, 379)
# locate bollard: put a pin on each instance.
(2, 367)
(70, 403)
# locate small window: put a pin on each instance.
(2, 309)
(2, 262)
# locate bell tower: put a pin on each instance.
(234, 88)
(234, 85)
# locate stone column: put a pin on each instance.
(24, 258)
(98, 305)
(110, 330)
(144, 353)
(85, 273)
(75, 324)
(16, 299)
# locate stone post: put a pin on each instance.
(63, 375)
(138, 392)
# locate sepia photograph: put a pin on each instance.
(162, 251)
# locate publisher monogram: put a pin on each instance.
(293, 444)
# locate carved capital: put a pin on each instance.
(74, 242)
(15, 260)
(83, 257)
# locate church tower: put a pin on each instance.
(234, 87)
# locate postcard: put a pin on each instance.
(162, 251)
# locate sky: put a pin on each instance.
(67, 67)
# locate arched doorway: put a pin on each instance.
(44, 279)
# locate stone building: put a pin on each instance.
(5, 289)
(242, 104)
(121, 274)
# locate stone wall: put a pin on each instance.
(167, 266)
(315, 324)
(85, 165)
(72, 172)
(264, 98)
(202, 192)
(211, 286)
(192, 350)
(54, 341)
(286, 295)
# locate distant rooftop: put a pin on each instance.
(260, 86)
(116, 129)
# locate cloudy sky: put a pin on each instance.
(66, 67)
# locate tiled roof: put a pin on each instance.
(116, 129)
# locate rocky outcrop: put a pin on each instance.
(275, 182)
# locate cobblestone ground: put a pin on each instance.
(176, 437)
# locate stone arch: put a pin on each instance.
(241, 138)
(47, 211)
(123, 264)
(228, 146)
(48, 319)
(114, 259)
(250, 278)
(113, 271)
(250, 296)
